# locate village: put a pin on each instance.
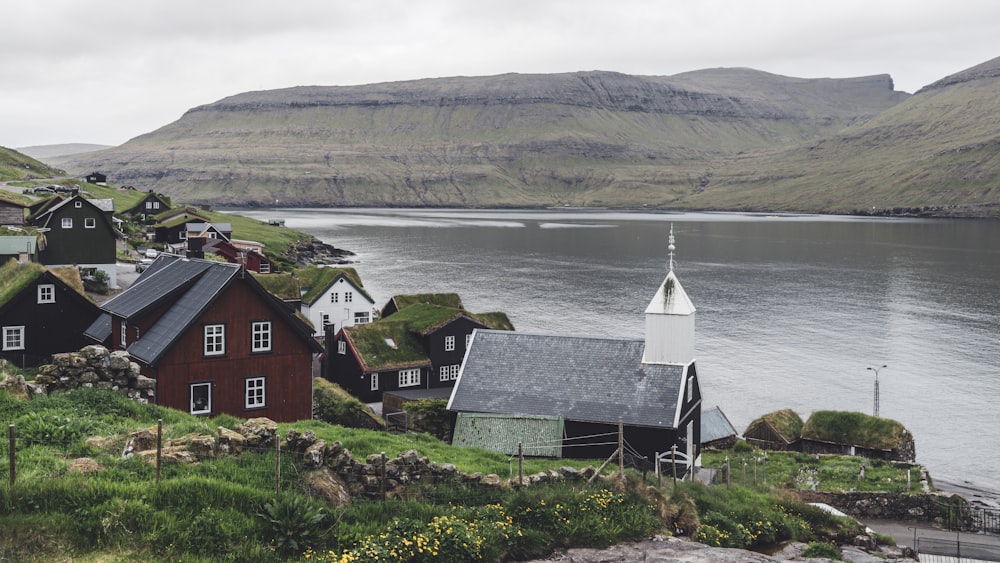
(213, 326)
(200, 320)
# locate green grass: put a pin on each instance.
(798, 471)
(854, 428)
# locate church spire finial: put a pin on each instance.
(670, 248)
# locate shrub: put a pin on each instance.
(292, 523)
(822, 550)
(333, 405)
(433, 416)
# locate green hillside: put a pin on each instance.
(17, 166)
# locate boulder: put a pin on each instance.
(230, 442)
(138, 441)
(325, 484)
(119, 360)
(313, 456)
(16, 386)
(258, 432)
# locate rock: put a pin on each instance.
(230, 442)
(201, 445)
(143, 382)
(83, 465)
(258, 432)
(325, 484)
(314, 455)
(119, 360)
(491, 480)
(16, 386)
(138, 441)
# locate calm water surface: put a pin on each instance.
(791, 309)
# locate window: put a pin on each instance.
(215, 340)
(67, 223)
(201, 398)
(89, 222)
(348, 296)
(123, 331)
(690, 388)
(342, 347)
(149, 205)
(361, 318)
(449, 373)
(334, 297)
(254, 393)
(468, 340)
(265, 268)
(47, 293)
(375, 381)
(261, 339)
(183, 235)
(13, 338)
(409, 377)
(449, 343)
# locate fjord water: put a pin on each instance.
(792, 310)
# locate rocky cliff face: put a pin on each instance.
(588, 138)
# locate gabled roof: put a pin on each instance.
(14, 277)
(369, 341)
(670, 298)
(44, 215)
(576, 377)
(403, 301)
(715, 425)
(177, 211)
(12, 198)
(141, 204)
(312, 280)
(189, 286)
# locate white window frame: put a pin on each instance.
(455, 368)
(334, 297)
(449, 343)
(46, 293)
(124, 333)
(362, 317)
(78, 204)
(149, 205)
(409, 377)
(260, 336)
(265, 267)
(348, 296)
(66, 223)
(443, 373)
(255, 393)
(374, 378)
(449, 373)
(342, 347)
(183, 235)
(207, 408)
(215, 340)
(89, 223)
(16, 332)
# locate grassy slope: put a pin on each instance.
(17, 166)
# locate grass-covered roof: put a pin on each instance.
(855, 428)
(403, 301)
(313, 280)
(786, 422)
(404, 328)
(15, 277)
(15, 198)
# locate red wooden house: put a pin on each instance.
(214, 340)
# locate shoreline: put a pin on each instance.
(972, 492)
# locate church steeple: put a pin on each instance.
(670, 319)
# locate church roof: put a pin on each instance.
(579, 378)
(670, 298)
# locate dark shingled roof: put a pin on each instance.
(580, 378)
(190, 286)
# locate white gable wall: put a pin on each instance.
(340, 310)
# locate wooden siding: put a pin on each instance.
(287, 369)
(49, 328)
(11, 214)
(79, 245)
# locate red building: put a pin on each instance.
(214, 340)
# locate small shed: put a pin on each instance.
(858, 434)
(716, 430)
(779, 430)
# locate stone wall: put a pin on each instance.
(95, 366)
(926, 507)
(333, 473)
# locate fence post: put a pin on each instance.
(728, 482)
(656, 468)
(381, 485)
(621, 448)
(520, 463)
(13, 455)
(673, 462)
(277, 463)
(159, 448)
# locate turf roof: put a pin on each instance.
(854, 428)
(315, 280)
(786, 422)
(404, 329)
(14, 278)
(441, 299)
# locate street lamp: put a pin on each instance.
(876, 370)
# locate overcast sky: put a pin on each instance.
(104, 71)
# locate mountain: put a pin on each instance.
(17, 166)
(936, 153)
(585, 138)
(52, 152)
